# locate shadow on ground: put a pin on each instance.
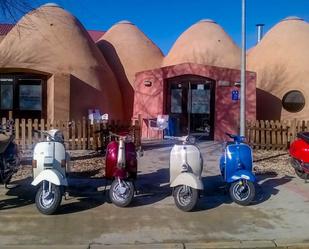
(20, 194)
(152, 187)
(216, 192)
(268, 186)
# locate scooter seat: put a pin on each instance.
(304, 136)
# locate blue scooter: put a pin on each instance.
(236, 170)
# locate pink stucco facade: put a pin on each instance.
(149, 101)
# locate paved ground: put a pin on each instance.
(278, 216)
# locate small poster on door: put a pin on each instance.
(30, 97)
(200, 101)
(176, 101)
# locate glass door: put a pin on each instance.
(190, 105)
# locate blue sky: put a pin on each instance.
(164, 20)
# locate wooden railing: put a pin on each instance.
(264, 134)
(78, 134)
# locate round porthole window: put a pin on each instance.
(293, 101)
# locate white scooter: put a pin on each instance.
(49, 171)
(186, 166)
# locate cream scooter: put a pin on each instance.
(49, 171)
(186, 166)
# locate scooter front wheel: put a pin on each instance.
(242, 192)
(301, 174)
(185, 197)
(48, 198)
(121, 192)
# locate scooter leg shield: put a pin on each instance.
(188, 179)
(242, 174)
(52, 176)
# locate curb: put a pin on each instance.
(259, 244)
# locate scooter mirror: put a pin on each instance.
(191, 139)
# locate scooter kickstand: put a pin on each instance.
(105, 187)
(66, 195)
(135, 190)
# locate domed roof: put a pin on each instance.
(204, 43)
(51, 40)
(281, 58)
(128, 50)
(289, 18)
(286, 46)
(50, 5)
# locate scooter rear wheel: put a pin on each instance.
(185, 197)
(47, 202)
(242, 192)
(121, 196)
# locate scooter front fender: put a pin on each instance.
(188, 179)
(52, 176)
(241, 174)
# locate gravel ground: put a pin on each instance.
(92, 164)
(82, 164)
(272, 162)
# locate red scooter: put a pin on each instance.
(121, 168)
(299, 152)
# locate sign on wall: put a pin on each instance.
(235, 95)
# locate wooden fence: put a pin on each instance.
(78, 135)
(264, 134)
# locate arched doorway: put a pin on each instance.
(23, 94)
(190, 104)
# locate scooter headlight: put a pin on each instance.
(184, 168)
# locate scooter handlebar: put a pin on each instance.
(44, 133)
(183, 139)
(118, 135)
(236, 138)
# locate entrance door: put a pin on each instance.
(190, 105)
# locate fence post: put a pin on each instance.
(278, 134)
(257, 134)
(35, 126)
(273, 142)
(285, 134)
(73, 135)
(23, 134)
(17, 139)
(293, 131)
(88, 135)
(29, 140)
(84, 133)
(79, 135)
(263, 143)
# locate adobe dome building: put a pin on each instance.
(128, 50)
(50, 68)
(205, 43)
(196, 86)
(281, 62)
